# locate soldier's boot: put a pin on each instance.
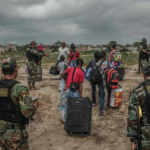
(29, 86)
(34, 88)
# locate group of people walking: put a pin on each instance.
(16, 106)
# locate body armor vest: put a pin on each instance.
(143, 55)
(8, 110)
(31, 56)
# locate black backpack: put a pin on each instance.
(96, 76)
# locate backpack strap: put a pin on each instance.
(101, 64)
(73, 73)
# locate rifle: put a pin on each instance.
(139, 66)
(138, 135)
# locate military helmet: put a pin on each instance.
(32, 43)
(9, 63)
(144, 41)
(146, 69)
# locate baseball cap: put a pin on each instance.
(79, 61)
(9, 63)
(72, 46)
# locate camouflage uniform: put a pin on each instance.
(39, 73)
(15, 138)
(32, 65)
(39, 68)
(147, 48)
(137, 98)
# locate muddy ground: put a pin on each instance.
(108, 131)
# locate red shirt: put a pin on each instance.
(74, 57)
(78, 76)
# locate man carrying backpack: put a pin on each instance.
(115, 58)
(138, 127)
(75, 79)
(93, 86)
(96, 78)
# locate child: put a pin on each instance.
(62, 66)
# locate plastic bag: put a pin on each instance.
(116, 97)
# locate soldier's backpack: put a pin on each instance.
(96, 76)
(112, 78)
(117, 56)
(28, 52)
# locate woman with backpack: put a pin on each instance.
(115, 58)
(73, 56)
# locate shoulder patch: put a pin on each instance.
(4, 92)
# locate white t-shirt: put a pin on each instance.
(63, 51)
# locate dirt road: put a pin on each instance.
(108, 131)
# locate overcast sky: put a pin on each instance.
(74, 21)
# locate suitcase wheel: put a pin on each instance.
(69, 133)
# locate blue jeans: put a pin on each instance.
(102, 97)
(72, 94)
(73, 63)
(61, 86)
(93, 93)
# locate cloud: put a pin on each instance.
(78, 21)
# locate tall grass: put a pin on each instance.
(128, 58)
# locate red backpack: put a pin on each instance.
(112, 78)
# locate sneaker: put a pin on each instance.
(94, 105)
(102, 112)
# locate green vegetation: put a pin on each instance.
(128, 57)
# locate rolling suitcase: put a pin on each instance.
(79, 114)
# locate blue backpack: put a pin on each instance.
(88, 73)
(89, 69)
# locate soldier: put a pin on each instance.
(33, 56)
(138, 127)
(16, 107)
(143, 54)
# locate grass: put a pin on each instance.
(128, 58)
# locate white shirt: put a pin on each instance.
(63, 51)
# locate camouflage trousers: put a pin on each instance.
(143, 62)
(39, 73)
(145, 144)
(12, 140)
(32, 70)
